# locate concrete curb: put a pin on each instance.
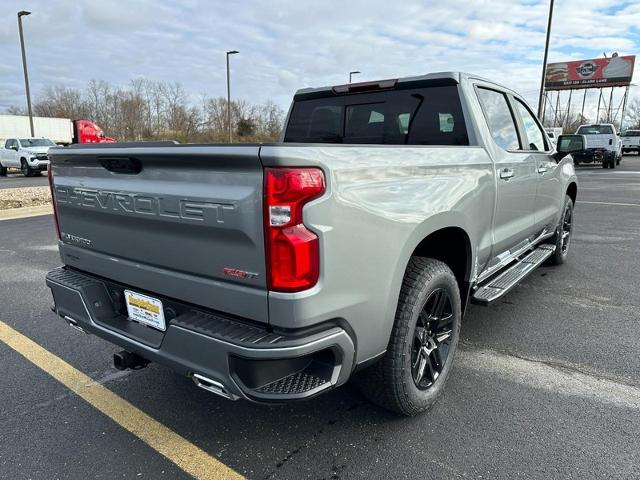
(25, 212)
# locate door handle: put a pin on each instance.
(506, 173)
(542, 169)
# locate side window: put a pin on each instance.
(496, 110)
(535, 138)
(7, 144)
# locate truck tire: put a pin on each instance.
(564, 232)
(412, 373)
(3, 170)
(24, 168)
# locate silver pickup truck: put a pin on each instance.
(277, 272)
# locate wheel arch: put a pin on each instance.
(572, 191)
(444, 237)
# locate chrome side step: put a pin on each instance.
(497, 287)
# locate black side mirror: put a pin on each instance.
(569, 144)
(14, 147)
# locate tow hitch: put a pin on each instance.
(123, 360)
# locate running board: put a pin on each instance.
(497, 287)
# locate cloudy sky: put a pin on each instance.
(288, 44)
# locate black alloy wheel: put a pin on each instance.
(431, 339)
(566, 228)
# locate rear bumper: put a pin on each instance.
(593, 155)
(227, 356)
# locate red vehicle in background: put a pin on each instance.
(85, 131)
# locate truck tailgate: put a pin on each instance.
(181, 221)
(598, 141)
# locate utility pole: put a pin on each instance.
(610, 111)
(566, 116)
(24, 13)
(624, 107)
(544, 61)
(231, 52)
(584, 97)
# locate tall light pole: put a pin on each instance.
(21, 14)
(544, 62)
(231, 52)
(351, 74)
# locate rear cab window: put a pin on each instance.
(595, 130)
(631, 133)
(428, 115)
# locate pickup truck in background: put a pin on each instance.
(61, 131)
(631, 141)
(276, 272)
(602, 145)
(30, 155)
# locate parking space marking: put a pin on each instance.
(177, 449)
(610, 203)
(558, 379)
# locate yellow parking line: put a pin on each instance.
(611, 203)
(177, 449)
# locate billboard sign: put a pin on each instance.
(595, 73)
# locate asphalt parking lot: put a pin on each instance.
(15, 180)
(546, 383)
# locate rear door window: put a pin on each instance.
(421, 116)
(499, 118)
(535, 138)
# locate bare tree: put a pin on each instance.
(632, 115)
(147, 110)
(59, 101)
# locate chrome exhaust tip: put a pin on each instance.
(73, 324)
(213, 386)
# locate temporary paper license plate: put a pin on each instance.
(146, 310)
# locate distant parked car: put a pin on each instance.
(30, 155)
(553, 133)
(631, 141)
(602, 145)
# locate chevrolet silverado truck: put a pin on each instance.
(602, 144)
(352, 248)
(30, 155)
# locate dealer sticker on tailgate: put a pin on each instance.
(146, 310)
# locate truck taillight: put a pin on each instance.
(53, 200)
(293, 251)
